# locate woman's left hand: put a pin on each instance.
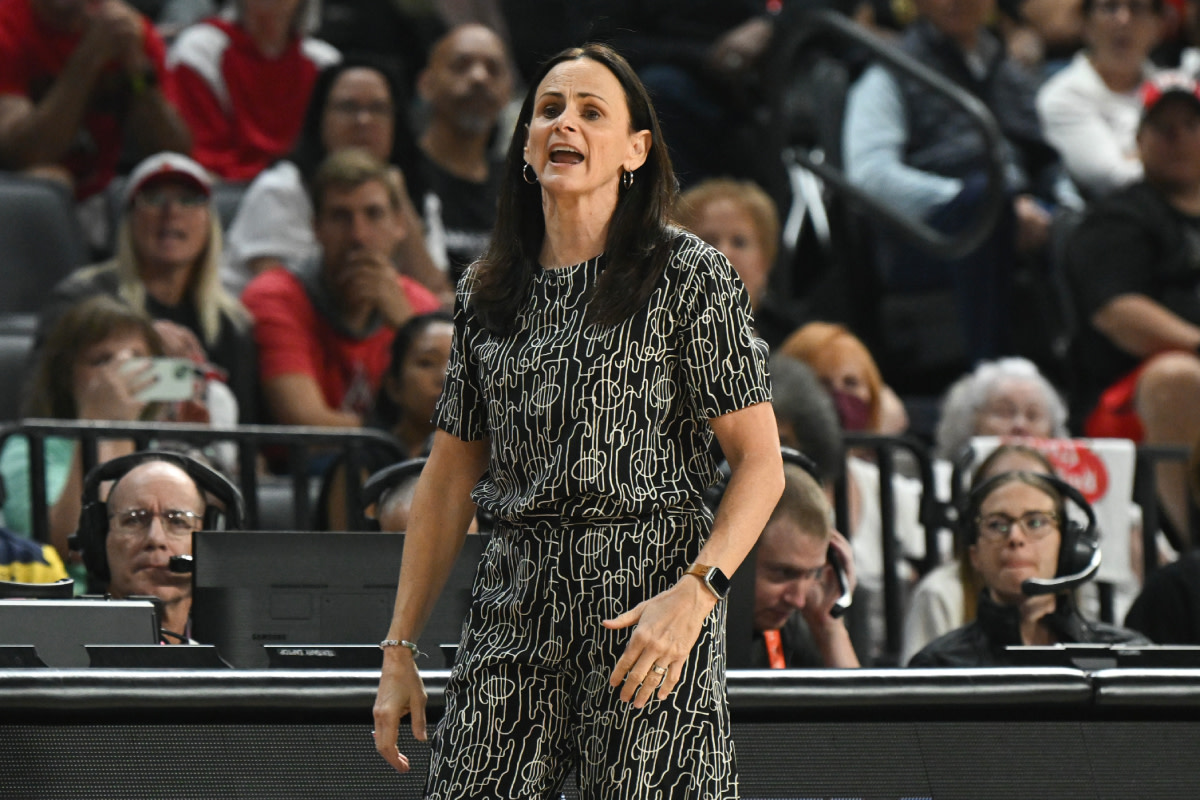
(666, 628)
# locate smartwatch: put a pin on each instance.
(715, 580)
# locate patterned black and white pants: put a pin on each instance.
(529, 699)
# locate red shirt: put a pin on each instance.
(293, 337)
(32, 55)
(244, 109)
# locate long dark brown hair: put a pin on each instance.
(639, 234)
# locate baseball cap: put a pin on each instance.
(1168, 84)
(166, 165)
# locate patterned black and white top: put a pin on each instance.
(600, 422)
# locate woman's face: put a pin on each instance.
(419, 385)
(579, 140)
(170, 223)
(1005, 562)
(848, 375)
(726, 225)
(359, 113)
(117, 348)
(1015, 407)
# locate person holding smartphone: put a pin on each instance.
(82, 372)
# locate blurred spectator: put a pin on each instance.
(80, 373)
(1168, 609)
(167, 263)
(25, 561)
(739, 219)
(945, 599)
(1134, 269)
(795, 587)
(404, 408)
(806, 417)
(1090, 109)
(1005, 397)
(465, 86)
(354, 103)
(76, 77)
(849, 374)
(923, 156)
(1017, 528)
(325, 332)
(247, 77)
(700, 59)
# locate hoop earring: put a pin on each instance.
(526, 171)
(627, 179)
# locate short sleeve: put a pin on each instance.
(724, 363)
(284, 325)
(461, 410)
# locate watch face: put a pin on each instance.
(717, 581)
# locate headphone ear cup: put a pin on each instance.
(91, 539)
(1076, 550)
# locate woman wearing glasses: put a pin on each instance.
(167, 261)
(1028, 557)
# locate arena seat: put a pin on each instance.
(40, 240)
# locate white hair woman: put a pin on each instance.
(1005, 397)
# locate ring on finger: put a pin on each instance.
(659, 669)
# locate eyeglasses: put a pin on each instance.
(156, 199)
(1136, 8)
(1036, 524)
(175, 521)
(349, 108)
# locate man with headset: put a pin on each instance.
(1029, 556)
(157, 500)
(796, 589)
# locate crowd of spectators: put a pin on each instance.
(365, 180)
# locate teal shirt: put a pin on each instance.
(14, 467)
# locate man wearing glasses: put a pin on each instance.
(153, 510)
(1014, 525)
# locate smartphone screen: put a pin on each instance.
(173, 378)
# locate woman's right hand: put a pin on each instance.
(400, 692)
(110, 392)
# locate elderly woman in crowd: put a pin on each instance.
(167, 264)
(1005, 397)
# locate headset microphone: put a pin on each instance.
(182, 565)
(1032, 587)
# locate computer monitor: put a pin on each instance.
(61, 629)
(256, 588)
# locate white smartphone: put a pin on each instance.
(174, 378)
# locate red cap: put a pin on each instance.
(1168, 84)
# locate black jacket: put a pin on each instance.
(981, 643)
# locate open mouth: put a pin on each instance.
(562, 154)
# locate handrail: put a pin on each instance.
(250, 440)
(824, 21)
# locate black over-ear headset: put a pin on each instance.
(1079, 549)
(93, 516)
(714, 494)
(389, 478)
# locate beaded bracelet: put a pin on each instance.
(386, 643)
